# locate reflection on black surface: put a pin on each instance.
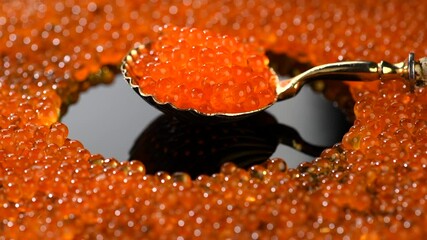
(171, 145)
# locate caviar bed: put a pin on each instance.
(371, 185)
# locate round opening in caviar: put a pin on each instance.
(373, 185)
(200, 70)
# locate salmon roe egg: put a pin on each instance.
(204, 71)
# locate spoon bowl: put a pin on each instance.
(168, 108)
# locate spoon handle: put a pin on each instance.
(411, 70)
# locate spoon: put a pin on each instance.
(411, 70)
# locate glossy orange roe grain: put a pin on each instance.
(371, 186)
(198, 69)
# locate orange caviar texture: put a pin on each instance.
(371, 186)
(196, 69)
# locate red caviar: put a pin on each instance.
(373, 185)
(198, 69)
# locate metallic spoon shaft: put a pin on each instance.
(354, 71)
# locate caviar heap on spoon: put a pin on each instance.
(194, 73)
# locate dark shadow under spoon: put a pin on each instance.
(171, 145)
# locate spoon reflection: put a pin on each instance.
(171, 145)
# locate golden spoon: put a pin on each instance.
(411, 70)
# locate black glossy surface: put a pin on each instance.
(108, 119)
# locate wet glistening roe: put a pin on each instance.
(372, 185)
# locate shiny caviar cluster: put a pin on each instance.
(372, 185)
(200, 70)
